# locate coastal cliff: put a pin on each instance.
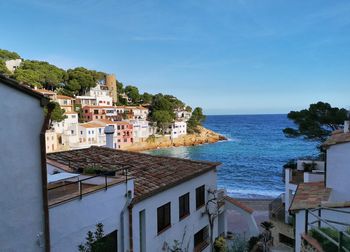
(204, 136)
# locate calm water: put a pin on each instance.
(252, 158)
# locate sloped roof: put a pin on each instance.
(337, 137)
(152, 174)
(24, 89)
(310, 195)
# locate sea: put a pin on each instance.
(253, 156)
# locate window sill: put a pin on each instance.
(184, 217)
(164, 229)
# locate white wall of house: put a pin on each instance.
(70, 221)
(140, 130)
(12, 65)
(178, 128)
(60, 127)
(338, 172)
(22, 215)
(191, 224)
(290, 189)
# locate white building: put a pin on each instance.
(178, 128)
(23, 207)
(164, 201)
(96, 96)
(70, 120)
(141, 130)
(306, 171)
(325, 202)
(12, 65)
(182, 115)
(51, 141)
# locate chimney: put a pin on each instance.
(346, 126)
(109, 131)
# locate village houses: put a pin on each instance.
(144, 202)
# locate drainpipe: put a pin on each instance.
(131, 243)
(44, 127)
(127, 204)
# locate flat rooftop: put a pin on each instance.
(152, 174)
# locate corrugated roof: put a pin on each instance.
(153, 174)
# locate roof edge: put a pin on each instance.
(24, 89)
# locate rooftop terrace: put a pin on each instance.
(152, 174)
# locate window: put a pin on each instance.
(163, 217)
(125, 140)
(95, 112)
(200, 196)
(81, 132)
(201, 239)
(184, 205)
(100, 130)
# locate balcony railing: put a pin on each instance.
(320, 222)
(102, 179)
(276, 209)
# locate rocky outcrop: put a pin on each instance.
(204, 136)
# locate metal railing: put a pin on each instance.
(77, 189)
(321, 222)
(276, 209)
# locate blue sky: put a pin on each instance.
(227, 56)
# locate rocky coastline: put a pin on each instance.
(203, 137)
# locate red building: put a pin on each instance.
(123, 135)
(90, 113)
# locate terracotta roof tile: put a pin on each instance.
(310, 195)
(337, 137)
(64, 97)
(152, 174)
(239, 204)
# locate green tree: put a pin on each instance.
(133, 93)
(57, 114)
(317, 122)
(188, 109)
(3, 68)
(40, 73)
(94, 241)
(147, 98)
(163, 119)
(196, 120)
(7, 55)
(81, 80)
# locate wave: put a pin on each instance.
(253, 194)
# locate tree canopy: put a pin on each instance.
(196, 120)
(7, 55)
(4, 56)
(81, 79)
(40, 74)
(57, 113)
(317, 122)
(133, 93)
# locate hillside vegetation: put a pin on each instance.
(77, 81)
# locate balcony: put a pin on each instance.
(79, 186)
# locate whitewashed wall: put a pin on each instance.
(191, 224)
(70, 221)
(338, 171)
(21, 202)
